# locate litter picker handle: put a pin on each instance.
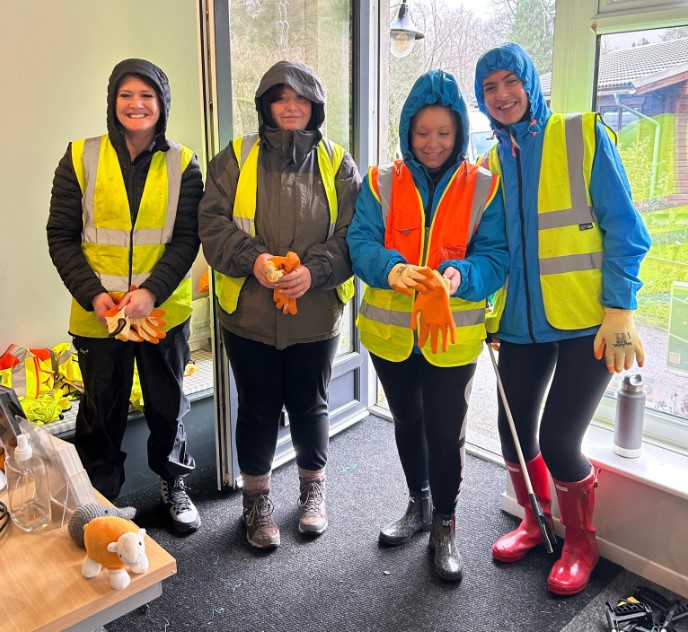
(510, 420)
(548, 537)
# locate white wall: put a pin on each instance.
(56, 61)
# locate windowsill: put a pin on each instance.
(657, 467)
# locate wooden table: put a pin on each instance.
(42, 588)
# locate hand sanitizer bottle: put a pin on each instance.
(27, 484)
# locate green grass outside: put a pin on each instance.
(666, 262)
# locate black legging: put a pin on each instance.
(578, 383)
(297, 378)
(429, 405)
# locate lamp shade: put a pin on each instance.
(403, 32)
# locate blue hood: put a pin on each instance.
(434, 87)
(513, 58)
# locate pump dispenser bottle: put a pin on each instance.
(27, 484)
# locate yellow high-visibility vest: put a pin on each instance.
(246, 148)
(120, 254)
(570, 242)
(384, 319)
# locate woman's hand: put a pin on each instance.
(138, 303)
(259, 270)
(454, 278)
(296, 283)
(101, 304)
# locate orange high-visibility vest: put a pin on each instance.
(385, 315)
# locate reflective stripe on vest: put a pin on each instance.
(246, 149)
(570, 243)
(385, 315)
(120, 254)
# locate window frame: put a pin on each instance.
(577, 33)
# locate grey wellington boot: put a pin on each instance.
(418, 517)
(448, 562)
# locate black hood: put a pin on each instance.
(151, 74)
(300, 78)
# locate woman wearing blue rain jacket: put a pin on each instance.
(575, 245)
(431, 210)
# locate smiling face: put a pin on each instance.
(433, 135)
(290, 110)
(505, 99)
(137, 107)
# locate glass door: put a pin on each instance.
(244, 38)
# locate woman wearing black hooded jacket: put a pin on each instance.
(122, 231)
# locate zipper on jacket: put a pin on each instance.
(431, 199)
(131, 193)
(427, 219)
(517, 155)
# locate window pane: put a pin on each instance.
(313, 32)
(641, 93)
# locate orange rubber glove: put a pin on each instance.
(618, 340)
(406, 278)
(274, 269)
(432, 308)
(288, 263)
(149, 329)
(287, 305)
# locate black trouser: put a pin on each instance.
(267, 379)
(429, 406)
(107, 368)
(578, 383)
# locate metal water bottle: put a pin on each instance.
(630, 412)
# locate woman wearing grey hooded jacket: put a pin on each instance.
(283, 190)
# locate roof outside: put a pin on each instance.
(619, 69)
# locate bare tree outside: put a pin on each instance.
(455, 37)
(313, 32)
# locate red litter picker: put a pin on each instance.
(548, 537)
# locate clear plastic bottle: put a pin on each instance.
(28, 488)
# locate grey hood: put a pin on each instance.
(300, 78)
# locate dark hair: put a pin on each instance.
(272, 95)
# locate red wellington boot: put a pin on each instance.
(570, 574)
(514, 545)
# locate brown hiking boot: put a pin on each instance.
(261, 530)
(312, 516)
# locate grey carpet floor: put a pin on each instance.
(344, 581)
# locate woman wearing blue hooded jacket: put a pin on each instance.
(431, 211)
(575, 245)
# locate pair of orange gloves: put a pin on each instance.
(431, 315)
(149, 329)
(274, 269)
